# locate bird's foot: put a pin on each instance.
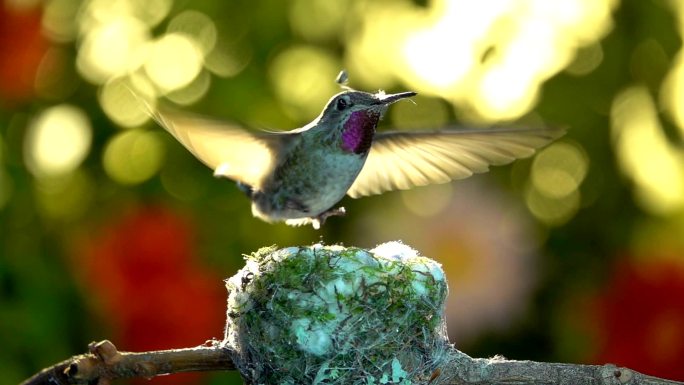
(317, 221)
(320, 220)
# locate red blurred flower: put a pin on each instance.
(641, 319)
(142, 270)
(22, 47)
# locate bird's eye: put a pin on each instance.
(342, 103)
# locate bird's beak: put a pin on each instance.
(387, 99)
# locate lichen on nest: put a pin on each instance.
(336, 315)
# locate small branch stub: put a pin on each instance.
(335, 315)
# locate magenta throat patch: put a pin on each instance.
(359, 129)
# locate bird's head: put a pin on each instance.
(353, 116)
(341, 106)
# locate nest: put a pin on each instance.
(335, 315)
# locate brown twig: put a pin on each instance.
(464, 370)
(105, 363)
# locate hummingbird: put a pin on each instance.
(299, 176)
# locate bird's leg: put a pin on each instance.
(318, 221)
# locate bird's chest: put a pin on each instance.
(319, 177)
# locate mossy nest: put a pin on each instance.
(336, 315)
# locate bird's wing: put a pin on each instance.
(402, 160)
(227, 148)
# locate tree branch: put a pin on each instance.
(104, 364)
(464, 370)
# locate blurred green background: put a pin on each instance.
(110, 229)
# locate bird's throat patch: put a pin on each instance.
(359, 129)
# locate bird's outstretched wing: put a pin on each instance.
(228, 149)
(401, 160)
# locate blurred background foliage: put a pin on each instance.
(110, 229)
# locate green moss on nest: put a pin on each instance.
(335, 315)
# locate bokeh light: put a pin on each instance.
(59, 19)
(174, 61)
(196, 25)
(193, 91)
(559, 169)
(124, 103)
(301, 78)
(553, 211)
(672, 92)
(553, 194)
(150, 13)
(588, 58)
(133, 156)
(118, 45)
(113, 48)
(318, 20)
(645, 154)
(57, 141)
(489, 57)
(229, 58)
